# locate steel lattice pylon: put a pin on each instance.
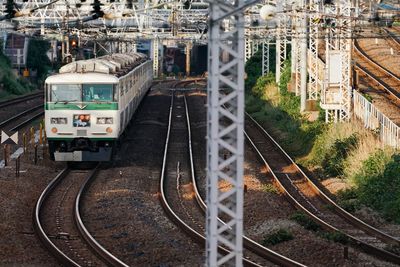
(345, 46)
(225, 133)
(251, 47)
(296, 55)
(265, 56)
(248, 48)
(255, 46)
(314, 79)
(155, 47)
(337, 102)
(281, 39)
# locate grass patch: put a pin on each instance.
(279, 236)
(293, 135)
(279, 111)
(378, 184)
(337, 237)
(270, 188)
(305, 221)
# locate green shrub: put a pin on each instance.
(253, 70)
(337, 237)
(378, 184)
(259, 88)
(348, 200)
(368, 97)
(12, 85)
(37, 57)
(277, 237)
(333, 160)
(305, 221)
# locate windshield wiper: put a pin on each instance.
(101, 101)
(64, 101)
(68, 101)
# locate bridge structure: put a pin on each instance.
(234, 31)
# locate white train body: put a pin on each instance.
(90, 103)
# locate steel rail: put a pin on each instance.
(385, 86)
(38, 227)
(103, 253)
(19, 115)
(20, 99)
(248, 243)
(393, 38)
(380, 253)
(378, 67)
(360, 51)
(196, 236)
(64, 259)
(27, 121)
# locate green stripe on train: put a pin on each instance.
(81, 106)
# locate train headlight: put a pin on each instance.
(105, 120)
(109, 130)
(54, 130)
(58, 121)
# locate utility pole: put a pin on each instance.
(188, 49)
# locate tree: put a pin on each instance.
(37, 57)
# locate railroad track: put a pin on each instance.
(20, 99)
(166, 171)
(177, 166)
(306, 196)
(58, 224)
(392, 39)
(248, 243)
(386, 80)
(22, 119)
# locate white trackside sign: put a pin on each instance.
(6, 139)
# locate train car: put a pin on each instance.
(89, 103)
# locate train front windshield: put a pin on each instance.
(65, 92)
(97, 92)
(82, 93)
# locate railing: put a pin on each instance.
(373, 119)
(16, 56)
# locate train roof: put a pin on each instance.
(82, 78)
(114, 64)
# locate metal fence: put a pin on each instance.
(16, 56)
(374, 120)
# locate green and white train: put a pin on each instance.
(89, 103)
